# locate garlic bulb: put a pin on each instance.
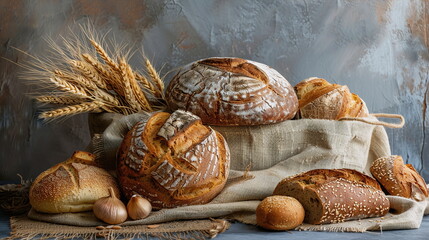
(110, 209)
(138, 207)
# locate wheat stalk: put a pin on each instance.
(100, 50)
(99, 67)
(73, 109)
(69, 87)
(155, 76)
(90, 73)
(135, 87)
(59, 100)
(127, 91)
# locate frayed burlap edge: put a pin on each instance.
(24, 228)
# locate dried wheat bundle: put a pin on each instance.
(83, 74)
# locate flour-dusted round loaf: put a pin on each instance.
(322, 100)
(331, 196)
(232, 91)
(279, 213)
(71, 186)
(173, 160)
(399, 179)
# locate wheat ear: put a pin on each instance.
(127, 91)
(59, 100)
(69, 87)
(135, 87)
(73, 109)
(155, 76)
(104, 55)
(90, 73)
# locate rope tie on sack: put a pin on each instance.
(375, 121)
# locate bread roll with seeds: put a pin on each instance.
(279, 213)
(232, 91)
(71, 186)
(399, 179)
(320, 99)
(329, 198)
(173, 160)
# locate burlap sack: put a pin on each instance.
(273, 152)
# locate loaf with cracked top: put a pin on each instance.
(231, 92)
(71, 186)
(337, 195)
(399, 179)
(173, 160)
(322, 100)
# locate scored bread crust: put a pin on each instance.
(173, 160)
(327, 197)
(232, 91)
(71, 186)
(322, 100)
(399, 179)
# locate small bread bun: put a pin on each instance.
(279, 213)
(399, 179)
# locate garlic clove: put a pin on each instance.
(110, 209)
(138, 207)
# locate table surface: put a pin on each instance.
(249, 232)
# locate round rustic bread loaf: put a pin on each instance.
(232, 91)
(71, 186)
(399, 179)
(173, 160)
(279, 213)
(320, 99)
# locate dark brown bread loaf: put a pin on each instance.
(320, 99)
(232, 91)
(399, 179)
(279, 213)
(173, 160)
(327, 197)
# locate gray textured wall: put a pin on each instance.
(378, 48)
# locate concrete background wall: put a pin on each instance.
(378, 48)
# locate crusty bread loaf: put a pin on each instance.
(279, 213)
(329, 198)
(232, 91)
(173, 160)
(71, 186)
(398, 178)
(320, 99)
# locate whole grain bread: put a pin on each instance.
(330, 196)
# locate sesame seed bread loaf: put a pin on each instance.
(71, 186)
(173, 160)
(232, 91)
(329, 198)
(398, 178)
(320, 99)
(279, 213)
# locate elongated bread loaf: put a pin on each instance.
(173, 160)
(398, 178)
(232, 91)
(71, 186)
(327, 197)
